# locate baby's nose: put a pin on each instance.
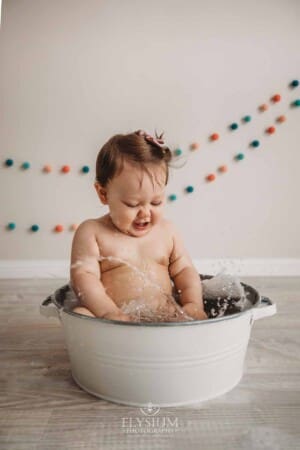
(144, 212)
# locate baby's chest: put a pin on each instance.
(137, 251)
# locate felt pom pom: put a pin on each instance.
(194, 146)
(58, 228)
(35, 228)
(263, 107)
(11, 226)
(65, 169)
(276, 98)
(47, 168)
(271, 130)
(281, 119)
(25, 165)
(9, 162)
(211, 177)
(189, 189)
(294, 83)
(178, 152)
(223, 169)
(247, 119)
(255, 143)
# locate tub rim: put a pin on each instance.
(258, 302)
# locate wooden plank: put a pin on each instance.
(42, 407)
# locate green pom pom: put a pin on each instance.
(35, 228)
(189, 189)
(247, 119)
(172, 197)
(11, 226)
(9, 162)
(85, 169)
(295, 83)
(178, 152)
(255, 143)
(234, 126)
(240, 156)
(296, 102)
(25, 165)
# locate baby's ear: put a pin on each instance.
(102, 193)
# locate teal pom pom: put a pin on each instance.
(172, 197)
(85, 169)
(189, 189)
(11, 226)
(178, 152)
(234, 126)
(247, 119)
(35, 228)
(240, 156)
(25, 165)
(294, 83)
(255, 143)
(296, 102)
(9, 162)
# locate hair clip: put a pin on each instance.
(158, 141)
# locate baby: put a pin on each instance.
(133, 252)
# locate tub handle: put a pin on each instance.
(266, 309)
(48, 309)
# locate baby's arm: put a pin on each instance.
(85, 274)
(186, 278)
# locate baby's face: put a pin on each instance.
(135, 199)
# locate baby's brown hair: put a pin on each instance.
(138, 148)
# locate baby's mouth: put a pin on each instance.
(141, 225)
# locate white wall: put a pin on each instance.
(73, 73)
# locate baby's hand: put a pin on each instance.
(195, 311)
(119, 315)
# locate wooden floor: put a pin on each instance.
(42, 407)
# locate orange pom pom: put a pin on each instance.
(195, 146)
(281, 119)
(223, 169)
(276, 98)
(214, 137)
(47, 168)
(263, 107)
(59, 228)
(271, 130)
(65, 169)
(211, 177)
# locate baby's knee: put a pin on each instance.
(83, 310)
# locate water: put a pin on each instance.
(138, 309)
(221, 290)
(227, 293)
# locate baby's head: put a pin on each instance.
(131, 174)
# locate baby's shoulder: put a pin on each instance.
(91, 226)
(168, 227)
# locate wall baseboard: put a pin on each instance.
(239, 267)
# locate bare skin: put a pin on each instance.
(135, 231)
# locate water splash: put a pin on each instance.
(138, 309)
